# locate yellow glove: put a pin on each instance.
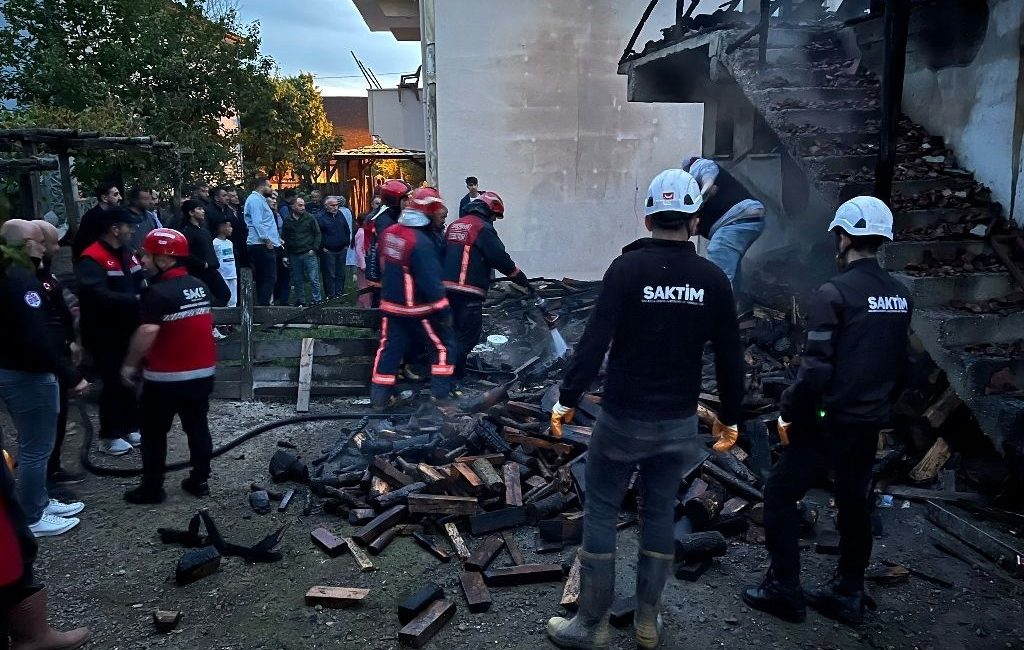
(726, 434)
(783, 428)
(560, 415)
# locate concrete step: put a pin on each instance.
(832, 164)
(895, 256)
(843, 190)
(843, 120)
(911, 219)
(931, 291)
(796, 57)
(851, 138)
(814, 94)
(979, 369)
(782, 78)
(953, 328)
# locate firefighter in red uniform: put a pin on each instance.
(413, 300)
(175, 341)
(474, 251)
(393, 194)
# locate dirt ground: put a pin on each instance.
(112, 571)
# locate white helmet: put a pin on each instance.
(673, 190)
(862, 216)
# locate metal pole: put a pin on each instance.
(762, 49)
(897, 21)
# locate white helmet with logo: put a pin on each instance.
(862, 216)
(673, 190)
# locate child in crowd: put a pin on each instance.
(226, 256)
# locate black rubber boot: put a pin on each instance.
(195, 488)
(775, 598)
(144, 495)
(838, 599)
(589, 628)
(651, 573)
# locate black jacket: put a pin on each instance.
(109, 283)
(659, 304)
(60, 325)
(90, 227)
(335, 235)
(23, 328)
(202, 262)
(473, 251)
(857, 350)
(730, 192)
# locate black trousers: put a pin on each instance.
(850, 453)
(119, 413)
(264, 272)
(62, 428)
(467, 312)
(161, 401)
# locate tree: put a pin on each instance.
(286, 129)
(174, 69)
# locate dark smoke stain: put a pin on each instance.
(950, 32)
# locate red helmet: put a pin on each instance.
(494, 202)
(165, 241)
(426, 200)
(393, 190)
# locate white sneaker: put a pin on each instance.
(134, 438)
(115, 447)
(217, 335)
(58, 509)
(51, 525)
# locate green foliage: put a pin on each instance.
(174, 69)
(286, 129)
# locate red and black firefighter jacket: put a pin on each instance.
(473, 251)
(410, 273)
(109, 282)
(184, 348)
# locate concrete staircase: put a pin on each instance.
(828, 122)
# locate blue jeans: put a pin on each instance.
(332, 263)
(264, 272)
(32, 399)
(619, 445)
(730, 240)
(303, 267)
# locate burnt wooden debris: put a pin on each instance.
(329, 542)
(478, 597)
(526, 574)
(166, 620)
(196, 564)
(335, 597)
(417, 602)
(420, 630)
(482, 557)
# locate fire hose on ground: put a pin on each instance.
(90, 434)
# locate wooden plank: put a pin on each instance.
(491, 479)
(339, 316)
(468, 475)
(287, 389)
(933, 461)
(534, 442)
(379, 524)
(484, 554)
(430, 474)
(431, 545)
(1000, 551)
(923, 494)
(382, 468)
(418, 601)
(359, 555)
(320, 372)
(571, 592)
(328, 541)
(228, 350)
(489, 522)
(441, 504)
(305, 376)
(335, 597)
(359, 516)
(458, 543)
(377, 546)
(526, 574)
(271, 349)
(246, 303)
(226, 390)
(478, 597)
(495, 459)
(513, 488)
(399, 496)
(418, 632)
(513, 549)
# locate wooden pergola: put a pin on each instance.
(62, 143)
(352, 164)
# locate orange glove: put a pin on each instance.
(560, 415)
(725, 434)
(783, 428)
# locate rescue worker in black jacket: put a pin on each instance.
(474, 252)
(856, 354)
(413, 302)
(202, 260)
(110, 279)
(660, 304)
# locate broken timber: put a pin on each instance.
(513, 488)
(430, 544)
(359, 555)
(380, 523)
(478, 597)
(419, 601)
(485, 553)
(1001, 552)
(526, 574)
(335, 597)
(418, 632)
(571, 593)
(456, 539)
(431, 504)
(329, 542)
(305, 376)
(489, 522)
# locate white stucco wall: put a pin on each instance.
(399, 123)
(973, 106)
(530, 102)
